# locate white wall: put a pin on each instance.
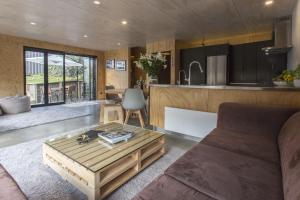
(294, 54)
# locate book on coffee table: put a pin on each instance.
(116, 136)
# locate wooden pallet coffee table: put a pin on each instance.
(98, 168)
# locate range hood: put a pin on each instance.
(282, 36)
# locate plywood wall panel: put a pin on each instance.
(119, 79)
(217, 97)
(12, 67)
(279, 98)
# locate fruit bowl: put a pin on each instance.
(280, 83)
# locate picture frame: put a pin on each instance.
(110, 64)
(120, 65)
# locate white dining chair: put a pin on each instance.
(134, 102)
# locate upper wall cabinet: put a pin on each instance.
(249, 64)
(217, 50)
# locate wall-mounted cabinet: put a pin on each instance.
(249, 64)
(217, 50)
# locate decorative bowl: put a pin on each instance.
(280, 83)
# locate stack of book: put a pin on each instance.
(116, 136)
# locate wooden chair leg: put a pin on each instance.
(146, 115)
(120, 116)
(101, 118)
(128, 113)
(141, 119)
(105, 118)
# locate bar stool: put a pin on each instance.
(111, 113)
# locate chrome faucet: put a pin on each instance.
(190, 67)
(185, 78)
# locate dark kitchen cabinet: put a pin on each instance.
(236, 66)
(249, 64)
(265, 72)
(217, 50)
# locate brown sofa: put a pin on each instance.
(9, 189)
(253, 154)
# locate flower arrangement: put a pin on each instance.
(152, 64)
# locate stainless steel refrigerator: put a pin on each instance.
(216, 70)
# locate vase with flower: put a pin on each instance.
(152, 64)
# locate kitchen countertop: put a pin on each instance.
(229, 87)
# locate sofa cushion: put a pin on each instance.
(9, 189)
(16, 104)
(246, 144)
(226, 175)
(264, 121)
(289, 146)
(167, 188)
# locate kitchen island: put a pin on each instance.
(208, 98)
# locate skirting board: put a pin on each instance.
(189, 122)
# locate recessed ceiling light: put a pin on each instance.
(97, 2)
(119, 44)
(269, 2)
(124, 22)
(33, 23)
(85, 36)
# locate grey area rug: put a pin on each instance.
(39, 182)
(44, 115)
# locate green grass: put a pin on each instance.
(39, 79)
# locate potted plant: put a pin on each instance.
(152, 64)
(297, 77)
(284, 79)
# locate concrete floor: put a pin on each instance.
(38, 132)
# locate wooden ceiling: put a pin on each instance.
(66, 21)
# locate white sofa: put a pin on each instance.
(15, 104)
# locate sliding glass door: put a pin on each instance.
(80, 78)
(35, 76)
(55, 78)
(55, 74)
